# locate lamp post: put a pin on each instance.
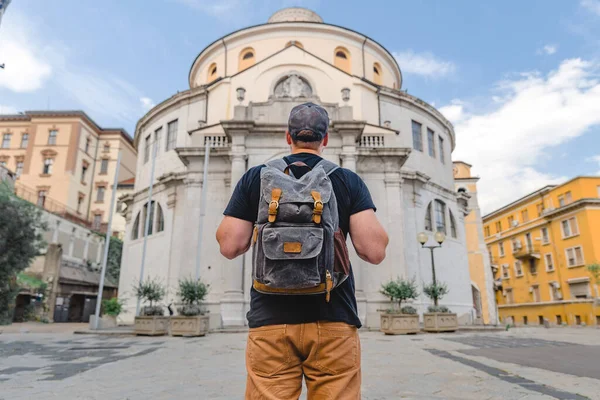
(423, 238)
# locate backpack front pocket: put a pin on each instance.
(291, 256)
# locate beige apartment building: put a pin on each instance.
(65, 163)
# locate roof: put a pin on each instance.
(127, 182)
(83, 276)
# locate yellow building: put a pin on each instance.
(540, 246)
(65, 162)
(480, 270)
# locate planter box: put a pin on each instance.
(105, 322)
(189, 326)
(151, 326)
(399, 324)
(440, 322)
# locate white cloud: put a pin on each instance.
(7, 109)
(536, 113)
(147, 103)
(214, 8)
(595, 159)
(591, 5)
(424, 64)
(26, 68)
(548, 49)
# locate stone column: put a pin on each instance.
(71, 242)
(55, 233)
(395, 224)
(86, 247)
(99, 251)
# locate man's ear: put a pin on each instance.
(326, 139)
(288, 137)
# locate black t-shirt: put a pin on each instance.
(352, 197)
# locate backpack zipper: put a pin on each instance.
(328, 285)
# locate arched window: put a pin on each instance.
(247, 58)
(452, 225)
(462, 190)
(440, 216)
(295, 43)
(428, 224)
(151, 220)
(160, 219)
(212, 72)
(377, 74)
(341, 59)
(135, 230)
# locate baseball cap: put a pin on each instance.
(308, 117)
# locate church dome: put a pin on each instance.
(295, 14)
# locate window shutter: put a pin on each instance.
(579, 289)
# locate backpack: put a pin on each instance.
(299, 248)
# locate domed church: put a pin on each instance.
(241, 90)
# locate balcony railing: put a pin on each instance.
(527, 252)
(372, 141)
(216, 141)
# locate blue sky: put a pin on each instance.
(520, 80)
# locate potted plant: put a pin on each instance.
(151, 320)
(111, 308)
(400, 320)
(191, 320)
(438, 318)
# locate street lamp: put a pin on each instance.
(241, 94)
(345, 94)
(423, 238)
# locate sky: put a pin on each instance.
(520, 80)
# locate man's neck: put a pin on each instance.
(309, 151)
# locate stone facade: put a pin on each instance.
(294, 60)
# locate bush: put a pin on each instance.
(435, 291)
(438, 309)
(408, 310)
(150, 311)
(150, 290)
(192, 293)
(398, 291)
(112, 307)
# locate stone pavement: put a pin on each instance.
(519, 364)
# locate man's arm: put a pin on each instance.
(234, 236)
(368, 236)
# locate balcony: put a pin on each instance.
(527, 252)
(372, 141)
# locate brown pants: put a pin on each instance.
(327, 354)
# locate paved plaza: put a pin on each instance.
(529, 363)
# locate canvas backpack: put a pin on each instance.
(299, 248)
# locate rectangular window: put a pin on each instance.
(6, 140)
(83, 171)
(518, 268)
(157, 140)
(545, 236)
(106, 148)
(487, 231)
(417, 136)
(569, 227)
(568, 198)
(151, 219)
(525, 320)
(511, 221)
(442, 154)
(79, 203)
(41, 198)
(536, 293)
(505, 271)
(48, 166)
(24, 140)
(104, 166)
(554, 293)
(598, 190)
(575, 256)
(19, 169)
(97, 221)
(431, 142)
(87, 145)
(100, 194)
(561, 200)
(558, 320)
(498, 226)
(580, 290)
(509, 298)
(528, 241)
(541, 319)
(525, 216)
(147, 149)
(52, 137)
(440, 217)
(171, 134)
(549, 262)
(540, 209)
(501, 249)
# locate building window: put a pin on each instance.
(561, 200)
(511, 220)
(535, 290)
(541, 319)
(431, 142)
(97, 222)
(578, 320)
(545, 236)
(157, 140)
(160, 219)
(6, 140)
(295, 43)
(247, 59)
(528, 241)
(569, 227)
(171, 134)
(486, 231)
(417, 136)
(19, 169)
(135, 229)
(580, 290)
(533, 267)
(442, 154)
(501, 249)
(598, 190)
(106, 148)
(509, 298)
(87, 145)
(24, 140)
(84, 169)
(428, 224)
(568, 198)
(151, 218)
(341, 59)
(452, 226)
(525, 320)
(147, 149)
(440, 216)
(48, 162)
(104, 166)
(558, 320)
(498, 226)
(100, 194)
(575, 256)
(540, 209)
(549, 262)
(212, 72)
(377, 74)
(554, 293)
(525, 216)
(505, 271)
(41, 200)
(79, 203)
(518, 268)
(52, 137)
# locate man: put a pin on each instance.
(292, 336)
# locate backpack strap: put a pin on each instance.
(278, 163)
(328, 166)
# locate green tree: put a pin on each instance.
(435, 291)
(21, 228)
(398, 291)
(595, 271)
(113, 264)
